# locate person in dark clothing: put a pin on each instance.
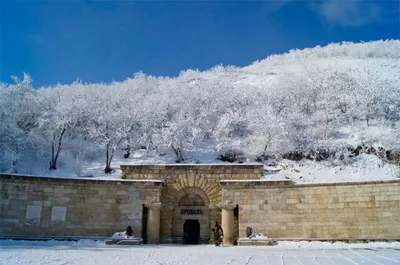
(218, 233)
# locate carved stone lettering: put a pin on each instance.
(191, 211)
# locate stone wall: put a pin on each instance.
(36, 205)
(280, 209)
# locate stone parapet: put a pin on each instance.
(240, 184)
(221, 171)
(78, 181)
(264, 183)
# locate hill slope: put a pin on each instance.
(321, 114)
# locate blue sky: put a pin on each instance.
(101, 41)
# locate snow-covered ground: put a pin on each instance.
(362, 168)
(95, 252)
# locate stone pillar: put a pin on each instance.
(228, 223)
(166, 224)
(153, 223)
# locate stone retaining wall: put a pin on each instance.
(56, 207)
(91, 207)
(279, 209)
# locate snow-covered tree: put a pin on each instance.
(18, 117)
(302, 101)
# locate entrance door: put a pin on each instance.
(191, 232)
(144, 224)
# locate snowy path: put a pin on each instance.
(88, 253)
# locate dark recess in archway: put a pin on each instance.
(236, 223)
(144, 224)
(191, 232)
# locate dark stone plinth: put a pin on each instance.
(118, 241)
(256, 242)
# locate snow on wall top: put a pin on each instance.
(76, 179)
(196, 165)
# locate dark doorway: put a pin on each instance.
(191, 232)
(236, 223)
(144, 224)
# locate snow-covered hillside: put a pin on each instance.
(321, 114)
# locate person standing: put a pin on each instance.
(218, 234)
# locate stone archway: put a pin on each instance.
(191, 204)
(191, 193)
(176, 186)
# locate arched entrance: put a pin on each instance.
(191, 216)
(191, 232)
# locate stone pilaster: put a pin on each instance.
(166, 224)
(227, 223)
(153, 223)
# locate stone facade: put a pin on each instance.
(91, 207)
(341, 211)
(180, 181)
(168, 203)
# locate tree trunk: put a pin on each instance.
(127, 151)
(15, 160)
(178, 153)
(54, 157)
(107, 170)
(109, 157)
(264, 154)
